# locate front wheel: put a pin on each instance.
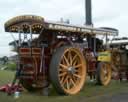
(68, 70)
(103, 73)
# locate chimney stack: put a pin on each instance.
(88, 13)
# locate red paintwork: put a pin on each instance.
(33, 57)
(11, 88)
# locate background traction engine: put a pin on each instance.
(57, 53)
(119, 52)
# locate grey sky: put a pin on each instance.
(111, 13)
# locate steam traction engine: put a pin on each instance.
(58, 53)
(119, 52)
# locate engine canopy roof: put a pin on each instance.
(37, 24)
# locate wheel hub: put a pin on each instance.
(71, 70)
(105, 71)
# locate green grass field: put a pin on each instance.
(90, 93)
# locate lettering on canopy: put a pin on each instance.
(68, 28)
(63, 27)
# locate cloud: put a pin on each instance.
(112, 13)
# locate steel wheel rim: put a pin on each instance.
(72, 71)
(105, 74)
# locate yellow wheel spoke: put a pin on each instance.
(77, 66)
(74, 63)
(63, 66)
(63, 62)
(67, 62)
(78, 76)
(72, 82)
(74, 58)
(62, 79)
(106, 77)
(65, 80)
(68, 86)
(62, 74)
(70, 57)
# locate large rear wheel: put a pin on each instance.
(68, 70)
(103, 73)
